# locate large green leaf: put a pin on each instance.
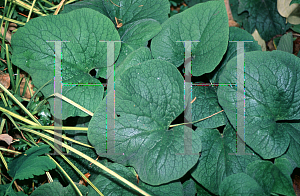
(138, 56)
(31, 163)
(272, 177)
(111, 185)
(202, 191)
(80, 55)
(293, 152)
(191, 3)
(136, 35)
(235, 34)
(96, 5)
(216, 163)
(56, 189)
(126, 11)
(189, 187)
(240, 184)
(286, 43)
(283, 181)
(238, 17)
(148, 97)
(204, 22)
(272, 93)
(295, 1)
(264, 17)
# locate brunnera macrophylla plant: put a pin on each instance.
(149, 92)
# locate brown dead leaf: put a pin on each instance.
(231, 21)
(22, 85)
(270, 45)
(119, 25)
(296, 184)
(4, 80)
(7, 138)
(83, 181)
(11, 27)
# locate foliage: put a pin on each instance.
(154, 152)
(261, 15)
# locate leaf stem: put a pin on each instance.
(62, 128)
(12, 20)
(10, 69)
(28, 7)
(197, 120)
(73, 103)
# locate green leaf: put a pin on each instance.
(271, 177)
(126, 11)
(31, 163)
(296, 28)
(295, 1)
(149, 96)
(3, 188)
(126, 49)
(240, 184)
(276, 41)
(206, 104)
(204, 22)
(202, 191)
(213, 168)
(45, 116)
(138, 56)
(173, 3)
(286, 43)
(80, 55)
(96, 5)
(262, 172)
(111, 186)
(189, 187)
(138, 33)
(191, 3)
(272, 93)
(56, 189)
(235, 34)
(264, 17)
(11, 192)
(293, 152)
(282, 174)
(238, 17)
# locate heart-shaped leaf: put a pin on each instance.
(234, 35)
(272, 93)
(148, 97)
(240, 184)
(272, 177)
(80, 55)
(125, 11)
(216, 163)
(198, 23)
(264, 17)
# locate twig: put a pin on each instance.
(197, 120)
(114, 4)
